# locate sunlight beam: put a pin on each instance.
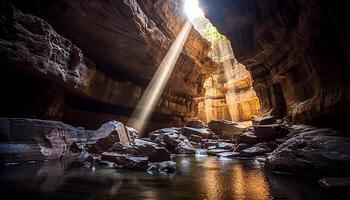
(153, 92)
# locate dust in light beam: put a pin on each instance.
(153, 92)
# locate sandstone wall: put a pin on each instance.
(297, 52)
(97, 58)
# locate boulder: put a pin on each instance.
(126, 161)
(85, 156)
(195, 124)
(241, 146)
(264, 120)
(248, 137)
(256, 150)
(108, 134)
(225, 145)
(159, 154)
(267, 132)
(203, 132)
(124, 148)
(195, 138)
(185, 147)
(224, 128)
(171, 139)
(316, 152)
(25, 140)
(133, 134)
(166, 166)
(215, 152)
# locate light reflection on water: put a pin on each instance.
(198, 178)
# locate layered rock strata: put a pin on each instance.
(99, 69)
(297, 52)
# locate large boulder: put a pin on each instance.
(317, 152)
(195, 124)
(108, 134)
(248, 137)
(203, 132)
(225, 128)
(264, 120)
(126, 161)
(171, 139)
(256, 150)
(225, 145)
(159, 154)
(185, 147)
(37, 140)
(268, 132)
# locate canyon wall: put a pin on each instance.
(296, 51)
(229, 93)
(87, 63)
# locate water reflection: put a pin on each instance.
(198, 178)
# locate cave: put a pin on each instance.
(174, 99)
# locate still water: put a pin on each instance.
(198, 178)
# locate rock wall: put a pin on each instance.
(229, 93)
(93, 60)
(297, 52)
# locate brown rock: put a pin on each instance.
(256, 150)
(195, 124)
(185, 147)
(195, 138)
(317, 152)
(224, 128)
(267, 131)
(248, 137)
(126, 161)
(159, 154)
(264, 120)
(241, 147)
(107, 135)
(188, 131)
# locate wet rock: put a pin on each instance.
(337, 183)
(195, 138)
(216, 151)
(185, 147)
(203, 132)
(315, 152)
(85, 156)
(154, 134)
(195, 124)
(37, 140)
(124, 148)
(264, 120)
(108, 134)
(256, 150)
(210, 143)
(133, 134)
(267, 131)
(126, 161)
(159, 154)
(166, 166)
(248, 137)
(224, 128)
(225, 145)
(232, 154)
(241, 146)
(171, 139)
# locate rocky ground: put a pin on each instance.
(278, 144)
